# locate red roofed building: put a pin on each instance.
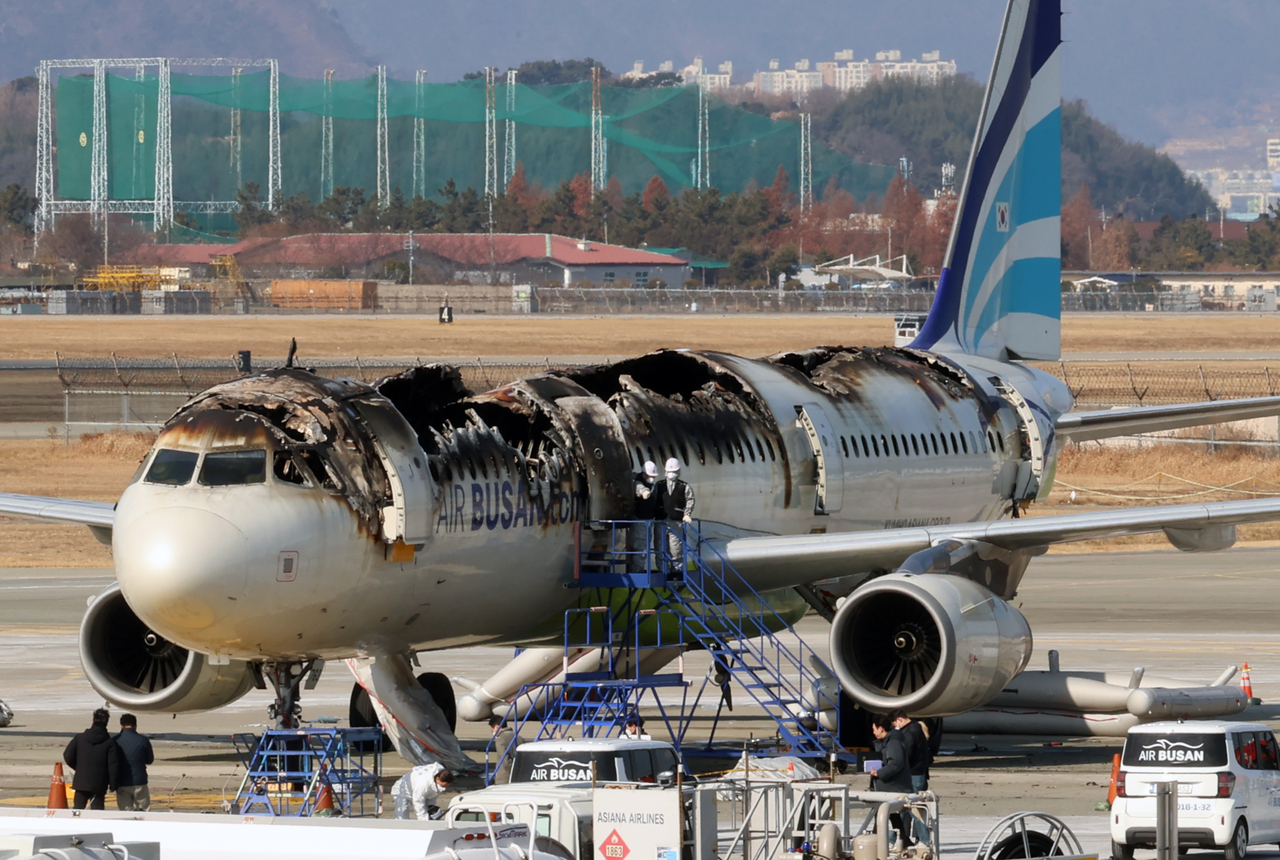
(512, 258)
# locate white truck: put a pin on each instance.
(551, 785)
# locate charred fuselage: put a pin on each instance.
(286, 516)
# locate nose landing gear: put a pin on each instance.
(288, 679)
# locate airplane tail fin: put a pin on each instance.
(999, 294)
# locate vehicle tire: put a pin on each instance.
(437, 684)
(1121, 852)
(1238, 847)
(1013, 847)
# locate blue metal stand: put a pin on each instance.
(287, 770)
(703, 602)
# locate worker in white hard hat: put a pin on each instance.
(639, 541)
(675, 497)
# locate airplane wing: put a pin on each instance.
(1104, 423)
(783, 561)
(98, 516)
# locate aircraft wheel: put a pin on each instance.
(437, 684)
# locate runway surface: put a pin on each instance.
(1180, 615)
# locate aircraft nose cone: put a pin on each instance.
(181, 569)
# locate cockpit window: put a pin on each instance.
(172, 467)
(286, 469)
(316, 465)
(226, 468)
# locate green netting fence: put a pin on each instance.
(649, 131)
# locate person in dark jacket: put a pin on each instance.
(134, 752)
(642, 536)
(916, 738)
(92, 755)
(919, 758)
(894, 773)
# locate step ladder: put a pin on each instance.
(286, 771)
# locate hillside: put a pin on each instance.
(934, 124)
(304, 35)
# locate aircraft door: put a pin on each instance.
(408, 517)
(1035, 472)
(822, 438)
(604, 455)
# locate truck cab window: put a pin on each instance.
(230, 468)
(171, 467)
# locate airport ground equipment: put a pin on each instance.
(1028, 834)
(288, 770)
(6, 714)
(704, 603)
(84, 846)
(726, 818)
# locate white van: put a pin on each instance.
(1228, 777)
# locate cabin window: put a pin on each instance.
(286, 469)
(875, 445)
(955, 447)
(915, 446)
(229, 468)
(865, 450)
(854, 441)
(895, 446)
(719, 455)
(844, 443)
(702, 457)
(973, 442)
(769, 445)
(652, 459)
(905, 449)
(1000, 440)
(738, 445)
(171, 467)
(760, 448)
(944, 443)
(963, 442)
(662, 454)
(934, 437)
(751, 452)
(639, 459)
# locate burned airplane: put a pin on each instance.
(283, 519)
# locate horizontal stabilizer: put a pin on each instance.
(1106, 423)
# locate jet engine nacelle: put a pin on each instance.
(933, 645)
(133, 667)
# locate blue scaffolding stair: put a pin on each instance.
(711, 606)
(287, 770)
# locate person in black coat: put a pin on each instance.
(134, 752)
(92, 755)
(915, 736)
(894, 773)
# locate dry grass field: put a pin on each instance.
(27, 337)
(99, 467)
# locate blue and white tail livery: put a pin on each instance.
(999, 294)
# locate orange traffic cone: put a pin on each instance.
(1112, 791)
(1245, 683)
(324, 801)
(57, 789)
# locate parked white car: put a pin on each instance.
(1228, 777)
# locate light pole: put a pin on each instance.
(408, 244)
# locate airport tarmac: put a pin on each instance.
(1180, 615)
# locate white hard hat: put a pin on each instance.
(673, 465)
(651, 468)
